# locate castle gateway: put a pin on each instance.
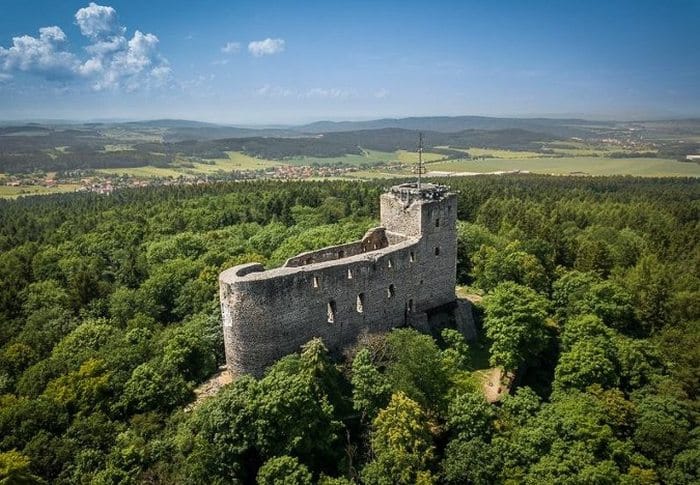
(390, 278)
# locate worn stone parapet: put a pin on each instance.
(374, 239)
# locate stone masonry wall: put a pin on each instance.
(268, 314)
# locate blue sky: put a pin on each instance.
(252, 62)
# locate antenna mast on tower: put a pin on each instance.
(420, 168)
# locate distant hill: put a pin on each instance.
(452, 124)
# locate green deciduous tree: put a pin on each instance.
(284, 470)
(370, 389)
(469, 416)
(416, 367)
(402, 445)
(516, 324)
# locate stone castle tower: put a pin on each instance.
(390, 278)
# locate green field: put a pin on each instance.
(12, 192)
(237, 161)
(241, 161)
(496, 152)
(184, 168)
(645, 167)
(368, 156)
(144, 172)
(571, 148)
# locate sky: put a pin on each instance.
(254, 62)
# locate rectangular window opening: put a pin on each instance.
(331, 311)
(361, 303)
(437, 250)
(437, 222)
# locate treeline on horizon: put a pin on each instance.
(84, 150)
(109, 320)
(27, 149)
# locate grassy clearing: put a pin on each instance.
(371, 174)
(12, 192)
(645, 167)
(144, 172)
(571, 148)
(497, 153)
(184, 168)
(404, 156)
(118, 148)
(237, 161)
(367, 157)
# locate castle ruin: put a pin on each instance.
(392, 277)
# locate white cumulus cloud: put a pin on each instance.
(44, 54)
(113, 60)
(266, 47)
(231, 48)
(98, 21)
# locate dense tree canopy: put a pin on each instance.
(109, 321)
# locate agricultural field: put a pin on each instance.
(143, 172)
(368, 157)
(643, 167)
(242, 162)
(7, 192)
(235, 161)
(475, 152)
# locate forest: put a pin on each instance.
(109, 319)
(25, 148)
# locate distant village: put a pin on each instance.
(105, 183)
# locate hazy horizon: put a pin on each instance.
(272, 124)
(291, 63)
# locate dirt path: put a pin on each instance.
(211, 387)
(495, 386)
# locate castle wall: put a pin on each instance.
(372, 240)
(268, 314)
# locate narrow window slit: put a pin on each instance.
(331, 311)
(349, 274)
(361, 303)
(316, 282)
(390, 292)
(412, 257)
(437, 251)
